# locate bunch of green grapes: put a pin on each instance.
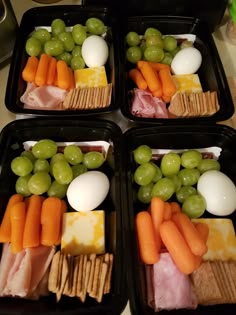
(152, 46)
(45, 170)
(62, 44)
(176, 175)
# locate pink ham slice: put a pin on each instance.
(43, 97)
(6, 264)
(145, 105)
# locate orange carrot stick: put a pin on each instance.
(31, 237)
(5, 229)
(177, 247)
(166, 99)
(157, 209)
(18, 215)
(41, 73)
(190, 234)
(168, 211)
(30, 69)
(168, 85)
(136, 76)
(63, 76)
(203, 230)
(157, 66)
(50, 220)
(52, 69)
(175, 207)
(151, 77)
(72, 79)
(146, 238)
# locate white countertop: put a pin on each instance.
(226, 50)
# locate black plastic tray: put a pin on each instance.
(211, 72)
(11, 139)
(71, 14)
(170, 137)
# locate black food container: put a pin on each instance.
(170, 137)
(71, 15)
(211, 72)
(11, 145)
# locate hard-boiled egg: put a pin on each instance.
(187, 61)
(219, 192)
(87, 191)
(94, 51)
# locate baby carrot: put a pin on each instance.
(157, 209)
(29, 71)
(151, 77)
(175, 207)
(31, 236)
(52, 68)
(72, 79)
(190, 234)
(18, 215)
(157, 66)
(136, 76)
(146, 238)
(168, 211)
(63, 76)
(165, 98)
(168, 85)
(177, 247)
(50, 220)
(203, 230)
(42, 70)
(5, 229)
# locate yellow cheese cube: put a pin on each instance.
(90, 77)
(83, 232)
(221, 241)
(189, 83)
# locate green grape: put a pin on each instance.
(29, 155)
(95, 26)
(167, 58)
(73, 154)
(44, 149)
(191, 158)
(144, 174)
(152, 31)
(79, 34)
(93, 159)
(54, 47)
(21, 185)
(76, 51)
(194, 206)
(132, 39)
(184, 192)
(66, 56)
(134, 54)
(39, 183)
(57, 190)
(42, 35)
(143, 46)
(158, 174)
(57, 157)
(145, 193)
(41, 165)
(154, 54)
(208, 165)
(33, 46)
(78, 169)
(21, 166)
(170, 164)
(58, 26)
(189, 176)
(77, 63)
(62, 172)
(170, 43)
(177, 182)
(164, 189)
(67, 41)
(142, 154)
(155, 40)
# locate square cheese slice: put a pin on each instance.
(83, 233)
(221, 241)
(188, 83)
(90, 77)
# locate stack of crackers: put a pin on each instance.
(77, 276)
(194, 104)
(214, 282)
(88, 98)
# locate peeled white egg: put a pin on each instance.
(187, 61)
(219, 192)
(94, 51)
(87, 191)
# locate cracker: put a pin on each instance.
(75, 276)
(80, 275)
(53, 274)
(94, 290)
(86, 279)
(64, 278)
(230, 281)
(107, 286)
(219, 279)
(92, 258)
(102, 279)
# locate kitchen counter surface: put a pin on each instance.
(226, 50)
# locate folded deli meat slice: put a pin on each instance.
(172, 289)
(22, 273)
